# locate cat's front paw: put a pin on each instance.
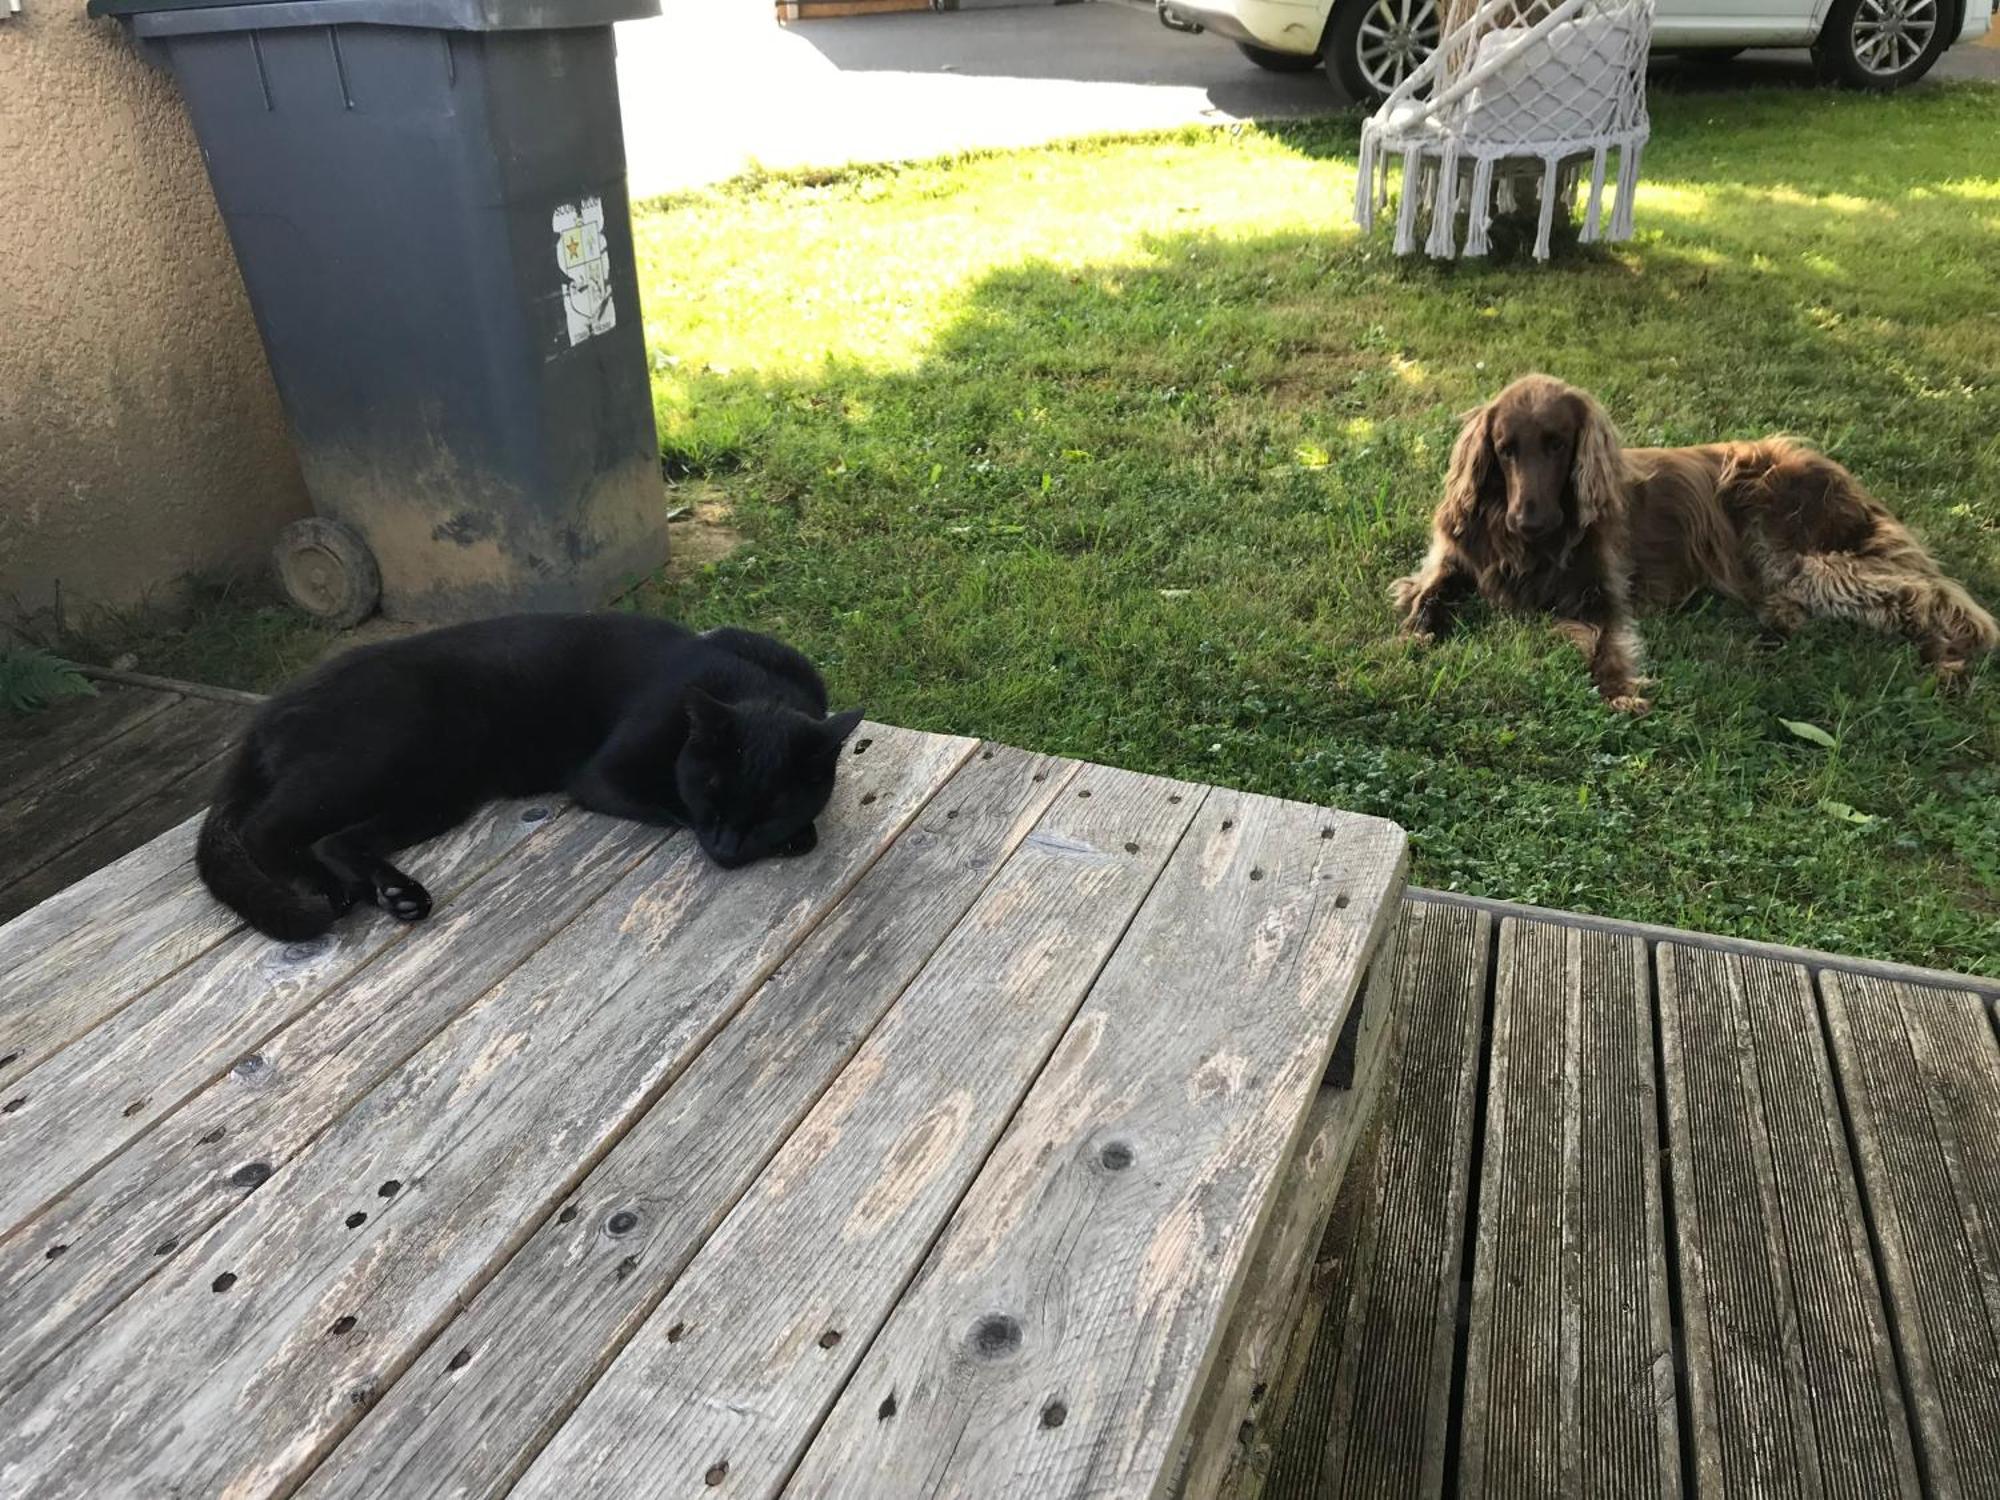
(803, 842)
(406, 902)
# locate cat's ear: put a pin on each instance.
(835, 730)
(710, 721)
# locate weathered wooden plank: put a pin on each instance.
(41, 822)
(481, 1401)
(35, 747)
(1792, 1385)
(1242, 1410)
(110, 1232)
(88, 1100)
(1920, 1070)
(144, 821)
(173, 685)
(83, 954)
(1059, 1335)
(752, 1345)
(237, 1368)
(1370, 1418)
(1569, 1365)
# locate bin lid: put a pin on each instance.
(190, 17)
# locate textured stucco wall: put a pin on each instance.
(140, 436)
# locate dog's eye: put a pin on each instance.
(1555, 442)
(1506, 449)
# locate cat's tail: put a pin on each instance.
(231, 872)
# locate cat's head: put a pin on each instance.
(754, 776)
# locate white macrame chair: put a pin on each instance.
(1513, 84)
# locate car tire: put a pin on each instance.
(1372, 45)
(1880, 44)
(1273, 61)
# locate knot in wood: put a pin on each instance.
(996, 1336)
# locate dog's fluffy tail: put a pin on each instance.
(1956, 617)
(232, 873)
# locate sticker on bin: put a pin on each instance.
(585, 258)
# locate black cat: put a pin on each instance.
(724, 733)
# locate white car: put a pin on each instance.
(1370, 45)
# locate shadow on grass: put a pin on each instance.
(1145, 511)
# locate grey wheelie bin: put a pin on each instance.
(427, 201)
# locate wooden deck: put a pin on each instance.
(1654, 1215)
(994, 1149)
(90, 778)
(942, 1160)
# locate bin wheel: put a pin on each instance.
(328, 571)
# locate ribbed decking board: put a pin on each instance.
(152, 815)
(1920, 1069)
(1371, 1415)
(34, 747)
(1791, 1378)
(108, 780)
(1569, 1369)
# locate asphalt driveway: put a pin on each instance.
(714, 87)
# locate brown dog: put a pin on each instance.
(1544, 510)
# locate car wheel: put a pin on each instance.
(1373, 45)
(1279, 62)
(1880, 44)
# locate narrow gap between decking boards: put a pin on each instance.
(921, 1263)
(1669, 1230)
(407, 1357)
(1474, 1165)
(1877, 1265)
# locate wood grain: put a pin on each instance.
(83, 955)
(109, 779)
(37, 746)
(238, 1367)
(1243, 1408)
(484, 1398)
(1920, 1071)
(752, 1345)
(1060, 1333)
(153, 815)
(87, 1101)
(1791, 1380)
(1371, 1415)
(1569, 1381)
(119, 1225)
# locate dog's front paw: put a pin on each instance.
(1629, 703)
(1407, 597)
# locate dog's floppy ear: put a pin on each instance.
(1596, 473)
(1471, 466)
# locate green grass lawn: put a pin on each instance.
(1113, 450)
